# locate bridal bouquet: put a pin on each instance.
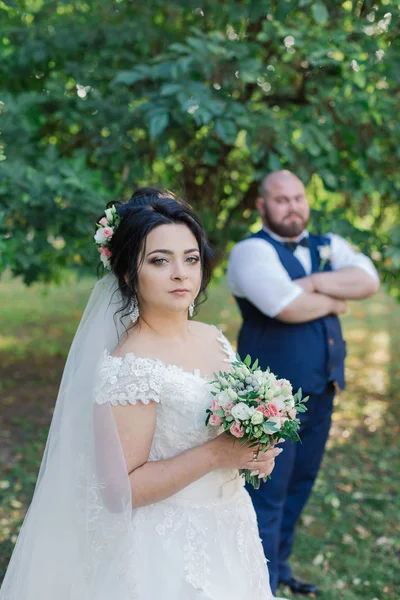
(256, 407)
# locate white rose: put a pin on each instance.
(223, 398)
(269, 377)
(257, 418)
(242, 412)
(285, 387)
(99, 236)
(258, 375)
(280, 401)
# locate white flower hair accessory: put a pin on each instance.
(105, 230)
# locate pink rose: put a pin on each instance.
(270, 410)
(258, 400)
(105, 251)
(108, 232)
(103, 222)
(292, 413)
(214, 420)
(236, 430)
(228, 409)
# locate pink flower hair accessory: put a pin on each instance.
(105, 230)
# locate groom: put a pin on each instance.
(291, 286)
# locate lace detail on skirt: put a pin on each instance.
(213, 549)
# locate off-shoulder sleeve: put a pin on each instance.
(226, 347)
(128, 379)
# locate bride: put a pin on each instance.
(136, 498)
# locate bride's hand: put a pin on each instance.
(231, 453)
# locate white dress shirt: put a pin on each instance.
(255, 271)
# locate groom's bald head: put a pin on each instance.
(283, 204)
(275, 181)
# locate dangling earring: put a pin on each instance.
(134, 309)
(191, 309)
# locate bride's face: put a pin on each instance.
(170, 276)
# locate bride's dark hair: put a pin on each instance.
(150, 207)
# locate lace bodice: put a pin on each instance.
(182, 397)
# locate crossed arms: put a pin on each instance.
(325, 293)
(256, 273)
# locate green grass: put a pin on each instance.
(348, 538)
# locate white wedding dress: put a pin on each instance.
(203, 542)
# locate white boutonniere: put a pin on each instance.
(325, 255)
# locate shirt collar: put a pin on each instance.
(280, 239)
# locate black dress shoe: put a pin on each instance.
(299, 587)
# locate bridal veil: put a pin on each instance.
(71, 545)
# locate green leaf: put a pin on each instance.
(227, 130)
(130, 77)
(247, 360)
(270, 427)
(169, 89)
(211, 158)
(320, 12)
(274, 162)
(158, 122)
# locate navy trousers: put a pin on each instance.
(279, 502)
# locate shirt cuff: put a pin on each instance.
(294, 293)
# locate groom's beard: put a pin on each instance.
(286, 229)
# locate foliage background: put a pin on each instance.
(202, 97)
